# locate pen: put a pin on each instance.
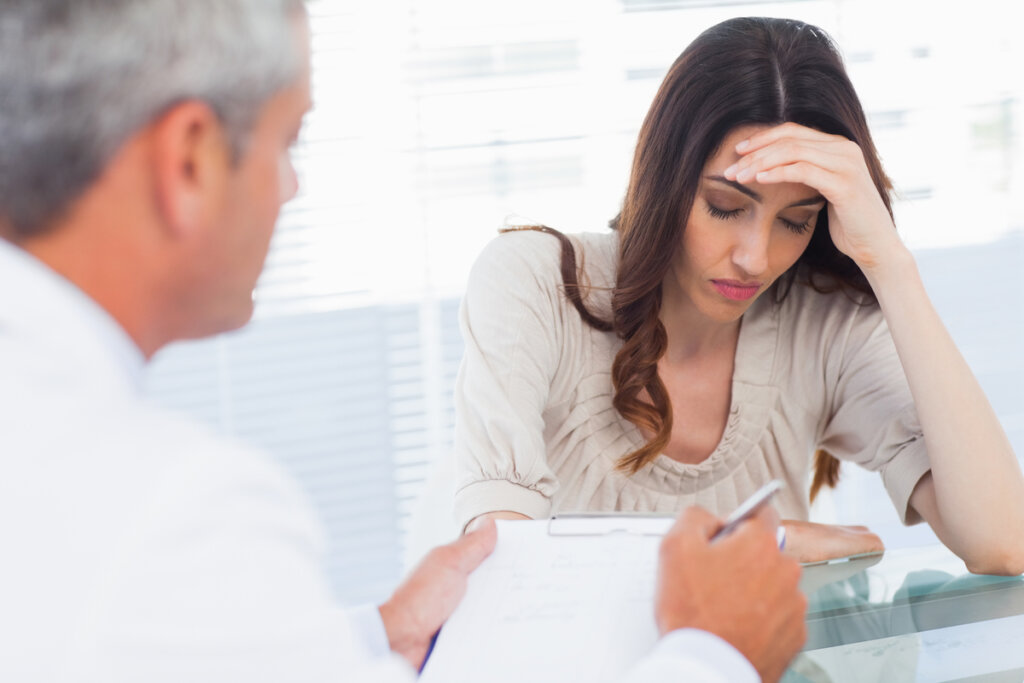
(749, 508)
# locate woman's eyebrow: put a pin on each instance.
(736, 186)
(810, 201)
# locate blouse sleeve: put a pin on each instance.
(510, 319)
(872, 418)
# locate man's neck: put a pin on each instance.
(82, 259)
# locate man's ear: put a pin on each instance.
(191, 166)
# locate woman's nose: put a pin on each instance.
(750, 253)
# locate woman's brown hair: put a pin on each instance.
(740, 72)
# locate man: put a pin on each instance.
(144, 156)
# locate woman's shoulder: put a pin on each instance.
(822, 297)
(537, 254)
(819, 317)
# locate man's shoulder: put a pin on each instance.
(150, 520)
(191, 457)
(127, 446)
(112, 465)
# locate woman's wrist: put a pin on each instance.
(891, 268)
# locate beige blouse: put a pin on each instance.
(536, 431)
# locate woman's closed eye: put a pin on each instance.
(794, 225)
(722, 214)
(798, 228)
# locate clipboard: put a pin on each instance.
(654, 524)
(609, 523)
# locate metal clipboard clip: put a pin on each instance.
(608, 523)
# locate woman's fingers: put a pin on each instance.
(785, 130)
(828, 183)
(826, 166)
(828, 155)
(790, 153)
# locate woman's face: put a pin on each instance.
(740, 238)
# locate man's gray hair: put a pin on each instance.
(80, 77)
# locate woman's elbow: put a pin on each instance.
(1007, 560)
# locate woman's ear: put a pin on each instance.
(192, 162)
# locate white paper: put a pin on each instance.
(552, 608)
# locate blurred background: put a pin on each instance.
(436, 121)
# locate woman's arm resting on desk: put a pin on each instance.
(974, 496)
(812, 542)
(500, 514)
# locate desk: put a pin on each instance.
(913, 614)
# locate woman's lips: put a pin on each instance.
(735, 290)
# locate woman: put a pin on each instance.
(754, 305)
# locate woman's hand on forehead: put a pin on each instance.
(859, 222)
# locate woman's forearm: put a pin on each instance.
(974, 497)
